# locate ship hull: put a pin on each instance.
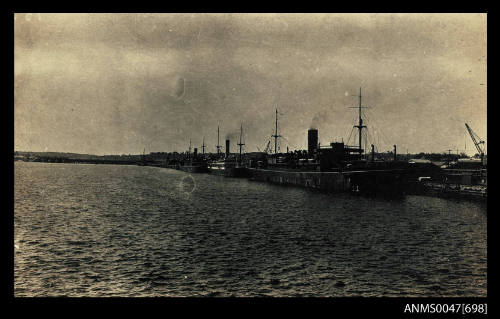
(368, 182)
(230, 171)
(328, 181)
(194, 168)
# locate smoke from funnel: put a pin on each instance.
(233, 135)
(319, 119)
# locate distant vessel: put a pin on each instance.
(194, 167)
(194, 164)
(230, 166)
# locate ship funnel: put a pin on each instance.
(227, 148)
(312, 141)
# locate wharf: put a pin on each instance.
(455, 190)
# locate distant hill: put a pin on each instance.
(76, 156)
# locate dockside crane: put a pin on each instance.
(477, 142)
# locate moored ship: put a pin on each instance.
(194, 164)
(194, 167)
(338, 167)
(229, 165)
(228, 169)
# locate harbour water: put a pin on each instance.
(116, 230)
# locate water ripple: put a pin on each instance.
(106, 230)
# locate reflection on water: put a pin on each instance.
(106, 230)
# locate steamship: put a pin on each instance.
(229, 166)
(194, 164)
(338, 167)
(194, 167)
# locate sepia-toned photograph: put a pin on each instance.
(250, 155)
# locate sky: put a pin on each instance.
(121, 83)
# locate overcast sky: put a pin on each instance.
(119, 83)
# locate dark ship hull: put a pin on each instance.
(367, 182)
(229, 171)
(194, 168)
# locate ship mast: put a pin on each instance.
(360, 126)
(218, 146)
(203, 145)
(240, 143)
(276, 134)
